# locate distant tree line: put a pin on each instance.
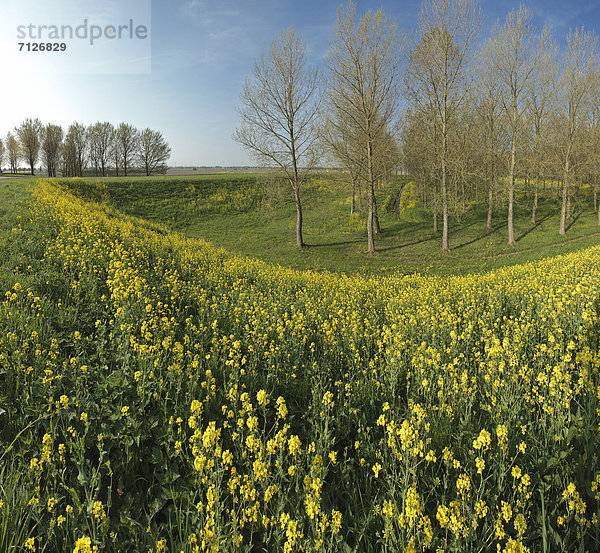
(491, 121)
(95, 149)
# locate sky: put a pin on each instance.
(186, 79)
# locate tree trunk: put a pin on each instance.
(490, 206)
(353, 191)
(445, 245)
(376, 227)
(371, 191)
(511, 182)
(563, 209)
(535, 204)
(299, 240)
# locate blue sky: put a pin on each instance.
(201, 51)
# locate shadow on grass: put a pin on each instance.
(573, 221)
(400, 246)
(539, 222)
(485, 235)
(346, 243)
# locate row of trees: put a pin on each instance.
(96, 148)
(465, 118)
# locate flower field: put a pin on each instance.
(160, 394)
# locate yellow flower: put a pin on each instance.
(376, 468)
(281, 408)
(98, 511)
(124, 411)
(196, 407)
(261, 398)
(83, 545)
(30, 544)
(480, 464)
(294, 445)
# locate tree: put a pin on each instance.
(75, 150)
(2, 150)
(541, 90)
(518, 51)
(29, 132)
(152, 151)
(100, 138)
(52, 137)
(126, 137)
(579, 66)
(14, 152)
(438, 71)
(488, 108)
(420, 157)
(363, 93)
(278, 113)
(115, 152)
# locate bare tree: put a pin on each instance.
(541, 89)
(363, 92)
(115, 152)
(52, 137)
(489, 111)
(438, 71)
(75, 150)
(593, 140)
(518, 51)
(579, 65)
(2, 151)
(152, 151)
(278, 113)
(126, 137)
(100, 137)
(420, 157)
(29, 132)
(345, 150)
(14, 152)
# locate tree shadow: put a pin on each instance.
(400, 246)
(476, 239)
(534, 226)
(573, 221)
(346, 243)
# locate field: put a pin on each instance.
(255, 217)
(160, 393)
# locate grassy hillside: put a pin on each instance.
(160, 394)
(255, 216)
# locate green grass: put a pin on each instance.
(250, 215)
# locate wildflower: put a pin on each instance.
(281, 408)
(261, 398)
(196, 407)
(83, 545)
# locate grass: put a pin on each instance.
(159, 393)
(255, 216)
